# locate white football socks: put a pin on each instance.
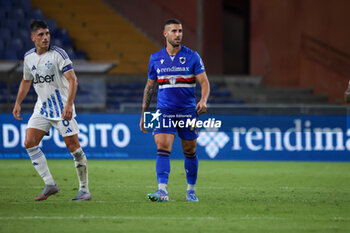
(191, 187)
(82, 168)
(39, 161)
(163, 187)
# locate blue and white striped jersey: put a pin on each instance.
(176, 77)
(51, 86)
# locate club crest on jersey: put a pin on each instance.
(172, 80)
(182, 60)
(48, 64)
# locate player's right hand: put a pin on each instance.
(17, 112)
(141, 126)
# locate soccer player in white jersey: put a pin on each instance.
(50, 70)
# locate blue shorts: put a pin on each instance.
(182, 122)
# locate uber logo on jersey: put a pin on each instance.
(41, 79)
(182, 60)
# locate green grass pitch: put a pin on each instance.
(233, 197)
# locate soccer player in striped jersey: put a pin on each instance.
(51, 72)
(176, 69)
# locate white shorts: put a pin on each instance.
(64, 127)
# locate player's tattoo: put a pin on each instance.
(148, 94)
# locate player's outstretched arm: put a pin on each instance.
(67, 112)
(22, 93)
(147, 97)
(204, 82)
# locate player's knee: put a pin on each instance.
(189, 149)
(30, 143)
(190, 155)
(163, 146)
(73, 147)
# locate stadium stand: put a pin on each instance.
(102, 33)
(15, 19)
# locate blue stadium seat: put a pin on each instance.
(17, 14)
(52, 24)
(3, 99)
(10, 54)
(63, 35)
(17, 44)
(24, 35)
(70, 52)
(25, 24)
(37, 14)
(137, 85)
(3, 85)
(2, 47)
(24, 4)
(57, 42)
(10, 23)
(21, 33)
(6, 4)
(5, 34)
(2, 15)
(81, 55)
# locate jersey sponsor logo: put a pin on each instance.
(48, 64)
(182, 60)
(43, 79)
(33, 68)
(175, 69)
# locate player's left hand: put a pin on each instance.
(141, 126)
(201, 107)
(67, 113)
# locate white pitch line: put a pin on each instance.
(135, 218)
(247, 218)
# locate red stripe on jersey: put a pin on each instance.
(163, 80)
(178, 79)
(186, 79)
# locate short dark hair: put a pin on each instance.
(37, 24)
(172, 21)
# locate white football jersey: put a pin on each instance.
(46, 71)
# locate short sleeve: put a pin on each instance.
(152, 74)
(27, 75)
(63, 61)
(198, 64)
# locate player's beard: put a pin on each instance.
(174, 44)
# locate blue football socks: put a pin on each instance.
(191, 168)
(163, 166)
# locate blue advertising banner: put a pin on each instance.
(240, 137)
